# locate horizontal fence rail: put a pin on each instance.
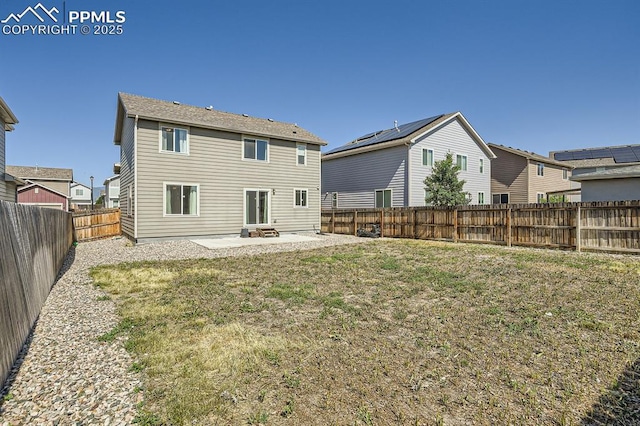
(95, 224)
(33, 244)
(594, 226)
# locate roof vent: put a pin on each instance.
(209, 108)
(245, 115)
(395, 124)
(270, 119)
(176, 103)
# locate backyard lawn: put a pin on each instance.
(386, 332)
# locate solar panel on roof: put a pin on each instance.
(386, 135)
(636, 151)
(563, 156)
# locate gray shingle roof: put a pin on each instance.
(530, 155)
(617, 173)
(158, 110)
(27, 172)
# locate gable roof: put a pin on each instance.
(46, 188)
(74, 184)
(530, 155)
(7, 116)
(110, 179)
(404, 134)
(45, 173)
(617, 173)
(208, 118)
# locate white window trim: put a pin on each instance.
(538, 169)
(432, 157)
(390, 198)
(500, 193)
(484, 200)
(466, 163)
(337, 198)
(294, 198)
(565, 174)
(164, 199)
(255, 160)
(244, 207)
(187, 129)
(305, 154)
(538, 194)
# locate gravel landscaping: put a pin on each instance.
(65, 375)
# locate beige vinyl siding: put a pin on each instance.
(127, 169)
(550, 181)
(215, 163)
(509, 175)
(58, 186)
(356, 178)
(5, 187)
(454, 138)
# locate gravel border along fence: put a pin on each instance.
(64, 375)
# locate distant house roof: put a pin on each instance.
(404, 134)
(602, 156)
(7, 116)
(530, 155)
(44, 173)
(74, 184)
(34, 185)
(111, 179)
(208, 118)
(617, 173)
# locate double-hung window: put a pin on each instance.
(427, 157)
(383, 198)
(480, 196)
(540, 169)
(174, 139)
(255, 149)
(180, 200)
(256, 207)
(565, 174)
(300, 197)
(301, 154)
(540, 197)
(461, 161)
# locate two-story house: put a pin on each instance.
(523, 177)
(7, 181)
(112, 192)
(80, 196)
(388, 168)
(188, 171)
(43, 186)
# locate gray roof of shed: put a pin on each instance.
(173, 112)
(48, 173)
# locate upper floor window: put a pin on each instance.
(301, 151)
(427, 157)
(255, 149)
(540, 169)
(174, 139)
(79, 191)
(481, 164)
(461, 161)
(565, 174)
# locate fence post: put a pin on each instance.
(455, 225)
(578, 237)
(415, 223)
(333, 221)
(509, 227)
(382, 222)
(355, 223)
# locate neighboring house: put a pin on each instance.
(56, 179)
(7, 181)
(523, 177)
(39, 195)
(112, 192)
(615, 184)
(80, 196)
(187, 171)
(387, 168)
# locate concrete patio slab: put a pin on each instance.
(231, 242)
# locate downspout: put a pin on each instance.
(407, 196)
(134, 210)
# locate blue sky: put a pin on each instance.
(535, 75)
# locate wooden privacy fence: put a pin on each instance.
(95, 224)
(606, 226)
(33, 244)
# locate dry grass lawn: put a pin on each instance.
(388, 332)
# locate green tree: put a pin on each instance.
(443, 188)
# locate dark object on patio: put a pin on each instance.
(374, 233)
(318, 231)
(244, 233)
